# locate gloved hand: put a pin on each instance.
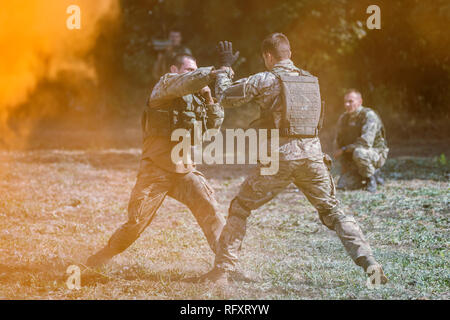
(225, 52)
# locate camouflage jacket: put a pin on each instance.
(362, 128)
(172, 86)
(264, 89)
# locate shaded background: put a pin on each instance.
(87, 88)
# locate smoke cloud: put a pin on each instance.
(36, 45)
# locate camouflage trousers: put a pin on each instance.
(360, 164)
(152, 186)
(313, 179)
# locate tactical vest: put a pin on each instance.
(351, 130)
(161, 119)
(300, 111)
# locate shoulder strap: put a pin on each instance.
(284, 125)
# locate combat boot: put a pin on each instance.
(379, 177)
(100, 258)
(376, 274)
(371, 184)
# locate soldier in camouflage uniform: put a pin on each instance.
(164, 59)
(362, 147)
(301, 162)
(178, 99)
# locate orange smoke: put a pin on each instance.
(35, 44)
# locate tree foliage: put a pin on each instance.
(403, 68)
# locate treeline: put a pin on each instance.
(403, 69)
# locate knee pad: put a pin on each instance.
(238, 210)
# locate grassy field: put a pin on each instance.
(57, 207)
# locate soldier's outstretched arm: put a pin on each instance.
(174, 85)
(235, 94)
(231, 95)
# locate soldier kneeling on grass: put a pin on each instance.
(362, 145)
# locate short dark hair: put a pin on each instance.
(353, 90)
(177, 60)
(276, 44)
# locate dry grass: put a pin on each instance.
(57, 207)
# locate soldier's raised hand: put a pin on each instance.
(225, 52)
(206, 93)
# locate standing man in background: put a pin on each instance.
(163, 60)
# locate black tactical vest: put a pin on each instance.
(162, 119)
(351, 129)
